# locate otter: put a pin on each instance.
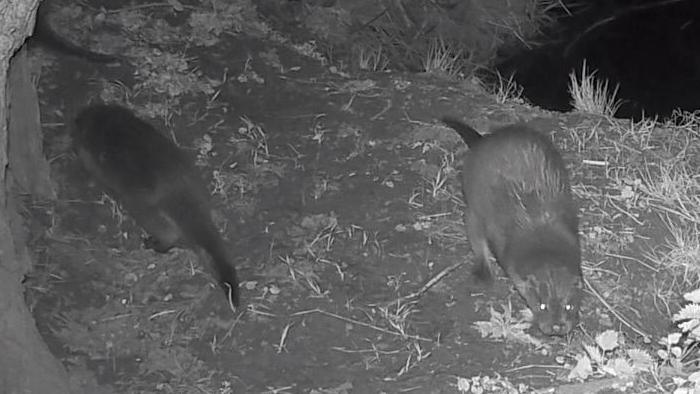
(46, 35)
(156, 183)
(519, 210)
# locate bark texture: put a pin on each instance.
(26, 365)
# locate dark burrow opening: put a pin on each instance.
(650, 48)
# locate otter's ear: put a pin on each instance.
(524, 285)
(532, 281)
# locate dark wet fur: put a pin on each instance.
(45, 35)
(520, 212)
(155, 181)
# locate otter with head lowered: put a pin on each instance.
(520, 211)
(155, 181)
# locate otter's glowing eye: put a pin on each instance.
(543, 307)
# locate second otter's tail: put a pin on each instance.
(468, 134)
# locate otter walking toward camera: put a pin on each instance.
(155, 181)
(520, 211)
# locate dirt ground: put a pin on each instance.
(338, 195)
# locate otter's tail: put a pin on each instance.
(194, 220)
(45, 34)
(468, 134)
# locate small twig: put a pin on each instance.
(432, 282)
(283, 339)
(380, 113)
(523, 367)
(159, 314)
(636, 260)
(229, 297)
(112, 318)
(360, 323)
(278, 390)
(601, 163)
(252, 309)
(360, 351)
(434, 216)
(233, 325)
(348, 105)
(628, 214)
(612, 310)
(678, 213)
(149, 5)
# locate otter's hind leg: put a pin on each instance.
(157, 244)
(163, 232)
(476, 231)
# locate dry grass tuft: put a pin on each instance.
(443, 58)
(591, 95)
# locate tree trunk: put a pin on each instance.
(26, 365)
